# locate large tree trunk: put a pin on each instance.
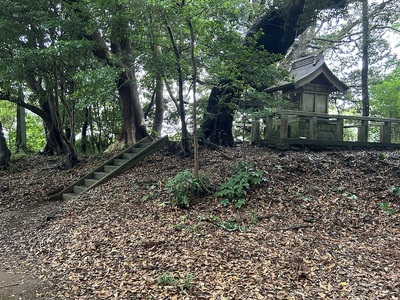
(280, 26)
(5, 152)
(20, 141)
(49, 112)
(117, 52)
(128, 130)
(219, 129)
(54, 133)
(133, 128)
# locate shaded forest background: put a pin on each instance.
(85, 75)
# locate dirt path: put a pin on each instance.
(16, 227)
(20, 286)
(23, 211)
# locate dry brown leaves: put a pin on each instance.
(314, 230)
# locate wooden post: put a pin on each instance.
(339, 129)
(363, 131)
(255, 130)
(313, 128)
(386, 133)
(284, 127)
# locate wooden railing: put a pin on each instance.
(288, 124)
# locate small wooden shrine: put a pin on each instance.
(313, 82)
(310, 123)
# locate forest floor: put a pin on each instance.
(324, 225)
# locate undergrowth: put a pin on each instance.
(235, 188)
(185, 185)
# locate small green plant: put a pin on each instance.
(383, 155)
(234, 190)
(151, 195)
(187, 282)
(254, 217)
(338, 189)
(195, 228)
(232, 225)
(229, 225)
(185, 185)
(300, 194)
(395, 190)
(166, 279)
(385, 207)
(350, 196)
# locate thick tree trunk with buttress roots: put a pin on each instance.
(133, 127)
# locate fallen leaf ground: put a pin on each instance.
(316, 229)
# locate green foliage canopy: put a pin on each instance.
(385, 95)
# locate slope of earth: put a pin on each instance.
(324, 225)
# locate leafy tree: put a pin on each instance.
(192, 39)
(341, 37)
(111, 26)
(36, 134)
(38, 55)
(274, 31)
(385, 100)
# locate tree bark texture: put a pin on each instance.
(85, 125)
(159, 106)
(159, 98)
(20, 141)
(5, 153)
(365, 61)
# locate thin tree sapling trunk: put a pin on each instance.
(178, 61)
(159, 97)
(365, 59)
(194, 86)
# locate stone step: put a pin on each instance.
(109, 168)
(119, 161)
(134, 150)
(78, 189)
(99, 175)
(90, 182)
(144, 145)
(68, 196)
(128, 155)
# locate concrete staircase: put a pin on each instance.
(116, 165)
